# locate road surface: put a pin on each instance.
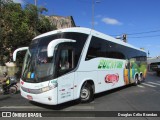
(144, 97)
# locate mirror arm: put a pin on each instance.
(17, 50)
(54, 43)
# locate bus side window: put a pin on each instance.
(66, 60)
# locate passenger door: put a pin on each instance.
(65, 74)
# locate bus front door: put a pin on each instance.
(66, 77)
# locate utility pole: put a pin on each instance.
(148, 53)
(92, 14)
(35, 2)
(93, 5)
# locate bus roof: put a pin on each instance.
(89, 31)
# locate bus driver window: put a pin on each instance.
(66, 59)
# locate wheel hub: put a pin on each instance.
(85, 93)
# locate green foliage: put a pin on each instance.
(18, 26)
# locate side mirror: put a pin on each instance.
(17, 50)
(53, 43)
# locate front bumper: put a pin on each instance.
(49, 97)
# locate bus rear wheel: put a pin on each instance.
(141, 78)
(86, 94)
(136, 81)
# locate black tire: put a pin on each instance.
(141, 79)
(13, 90)
(86, 94)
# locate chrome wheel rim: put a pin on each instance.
(85, 93)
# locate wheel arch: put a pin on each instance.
(89, 81)
(141, 76)
(136, 75)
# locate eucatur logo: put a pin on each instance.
(112, 78)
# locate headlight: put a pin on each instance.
(50, 87)
(45, 89)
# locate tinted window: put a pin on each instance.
(66, 59)
(78, 45)
(70, 52)
(114, 50)
(65, 62)
(96, 49)
(39, 67)
(103, 48)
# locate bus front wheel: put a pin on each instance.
(86, 94)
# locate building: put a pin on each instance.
(152, 62)
(61, 21)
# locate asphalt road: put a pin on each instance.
(144, 97)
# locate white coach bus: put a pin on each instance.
(76, 63)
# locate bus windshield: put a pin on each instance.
(37, 66)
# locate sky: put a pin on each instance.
(139, 19)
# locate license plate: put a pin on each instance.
(29, 97)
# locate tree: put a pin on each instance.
(19, 26)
